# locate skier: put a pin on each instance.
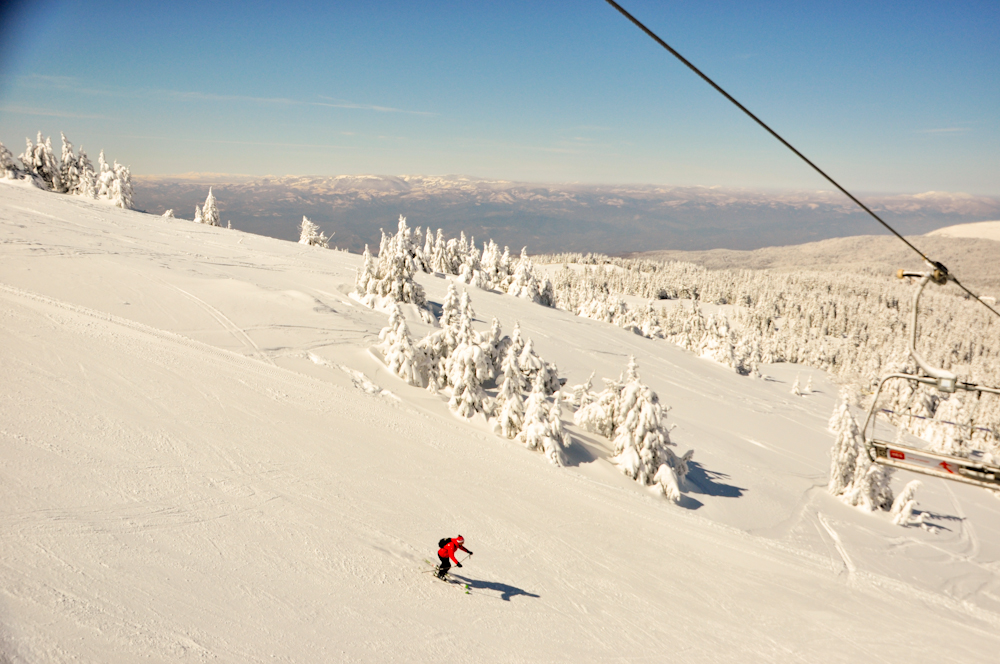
(447, 551)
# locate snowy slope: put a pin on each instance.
(201, 458)
(986, 230)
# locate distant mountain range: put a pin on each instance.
(608, 219)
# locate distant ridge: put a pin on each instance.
(550, 217)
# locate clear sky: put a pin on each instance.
(887, 97)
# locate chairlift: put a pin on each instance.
(970, 470)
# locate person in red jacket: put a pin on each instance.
(447, 554)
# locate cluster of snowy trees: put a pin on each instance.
(854, 326)
(401, 254)
(500, 377)
(860, 482)
(468, 365)
(629, 413)
(209, 214)
(69, 173)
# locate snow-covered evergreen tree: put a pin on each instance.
(509, 407)
(40, 162)
(169, 214)
(542, 430)
(87, 181)
(402, 358)
(105, 178)
(198, 219)
(68, 167)
(583, 394)
(854, 477)
(121, 187)
(468, 370)
(904, 505)
(8, 167)
(391, 279)
(209, 213)
(310, 233)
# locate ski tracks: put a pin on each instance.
(235, 330)
(848, 563)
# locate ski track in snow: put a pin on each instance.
(166, 499)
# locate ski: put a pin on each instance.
(447, 578)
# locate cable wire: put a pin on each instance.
(934, 264)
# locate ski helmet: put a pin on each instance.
(460, 539)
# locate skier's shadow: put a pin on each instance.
(506, 591)
(701, 480)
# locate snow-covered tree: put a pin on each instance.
(509, 407)
(40, 161)
(169, 214)
(543, 430)
(450, 311)
(583, 394)
(87, 180)
(390, 278)
(210, 213)
(402, 358)
(198, 219)
(105, 178)
(68, 170)
(854, 477)
(904, 505)
(468, 369)
(8, 167)
(121, 187)
(310, 233)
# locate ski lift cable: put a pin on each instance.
(935, 264)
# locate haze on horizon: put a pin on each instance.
(889, 99)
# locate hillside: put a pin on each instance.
(203, 458)
(973, 258)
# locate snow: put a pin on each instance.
(202, 458)
(984, 230)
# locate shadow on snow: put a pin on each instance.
(506, 591)
(706, 482)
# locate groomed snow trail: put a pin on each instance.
(171, 492)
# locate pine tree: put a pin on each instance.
(904, 505)
(87, 184)
(121, 187)
(310, 234)
(468, 370)
(854, 477)
(40, 162)
(210, 213)
(509, 407)
(542, 430)
(402, 358)
(68, 171)
(8, 168)
(106, 178)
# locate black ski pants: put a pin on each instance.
(444, 566)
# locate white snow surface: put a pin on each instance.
(202, 458)
(984, 230)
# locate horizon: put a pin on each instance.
(565, 93)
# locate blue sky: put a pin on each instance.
(887, 97)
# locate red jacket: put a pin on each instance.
(448, 550)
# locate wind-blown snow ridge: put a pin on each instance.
(168, 495)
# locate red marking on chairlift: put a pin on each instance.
(896, 454)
